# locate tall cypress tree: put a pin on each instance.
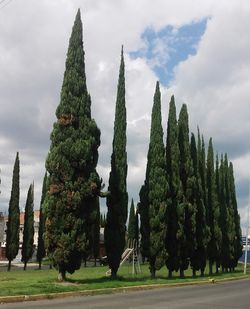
(12, 237)
(237, 242)
(213, 212)
(133, 226)
(157, 188)
(198, 259)
(42, 218)
(188, 203)
(174, 230)
(71, 163)
(28, 230)
(117, 201)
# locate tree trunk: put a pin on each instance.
(40, 265)
(113, 275)
(170, 274)
(50, 266)
(25, 265)
(210, 267)
(95, 262)
(61, 275)
(182, 274)
(194, 273)
(202, 272)
(152, 271)
(9, 265)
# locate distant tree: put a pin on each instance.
(237, 242)
(96, 231)
(174, 230)
(133, 226)
(213, 212)
(228, 229)
(198, 259)
(71, 164)
(12, 237)
(157, 188)
(42, 218)
(188, 202)
(28, 230)
(117, 201)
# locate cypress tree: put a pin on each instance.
(143, 209)
(96, 231)
(132, 226)
(157, 188)
(230, 217)
(28, 230)
(237, 242)
(71, 163)
(42, 218)
(198, 260)
(188, 205)
(174, 230)
(117, 201)
(213, 212)
(12, 237)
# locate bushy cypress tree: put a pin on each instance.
(198, 260)
(28, 230)
(188, 203)
(213, 212)
(71, 163)
(12, 237)
(132, 226)
(117, 201)
(174, 230)
(42, 218)
(237, 242)
(157, 188)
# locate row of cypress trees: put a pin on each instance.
(180, 202)
(187, 203)
(13, 223)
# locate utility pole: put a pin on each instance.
(246, 245)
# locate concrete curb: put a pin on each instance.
(22, 298)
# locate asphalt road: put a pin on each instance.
(234, 294)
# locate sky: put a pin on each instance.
(198, 50)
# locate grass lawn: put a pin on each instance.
(30, 282)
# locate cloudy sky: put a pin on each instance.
(199, 50)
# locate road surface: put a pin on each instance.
(234, 294)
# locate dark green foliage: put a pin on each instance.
(157, 188)
(174, 230)
(237, 242)
(71, 163)
(226, 216)
(42, 218)
(12, 237)
(96, 230)
(198, 259)
(133, 229)
(143, 209)
(187, 207)
(117, 201)
(213, 211)
(28, 230)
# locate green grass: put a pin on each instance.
(30, 282)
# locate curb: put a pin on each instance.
(22, 298)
